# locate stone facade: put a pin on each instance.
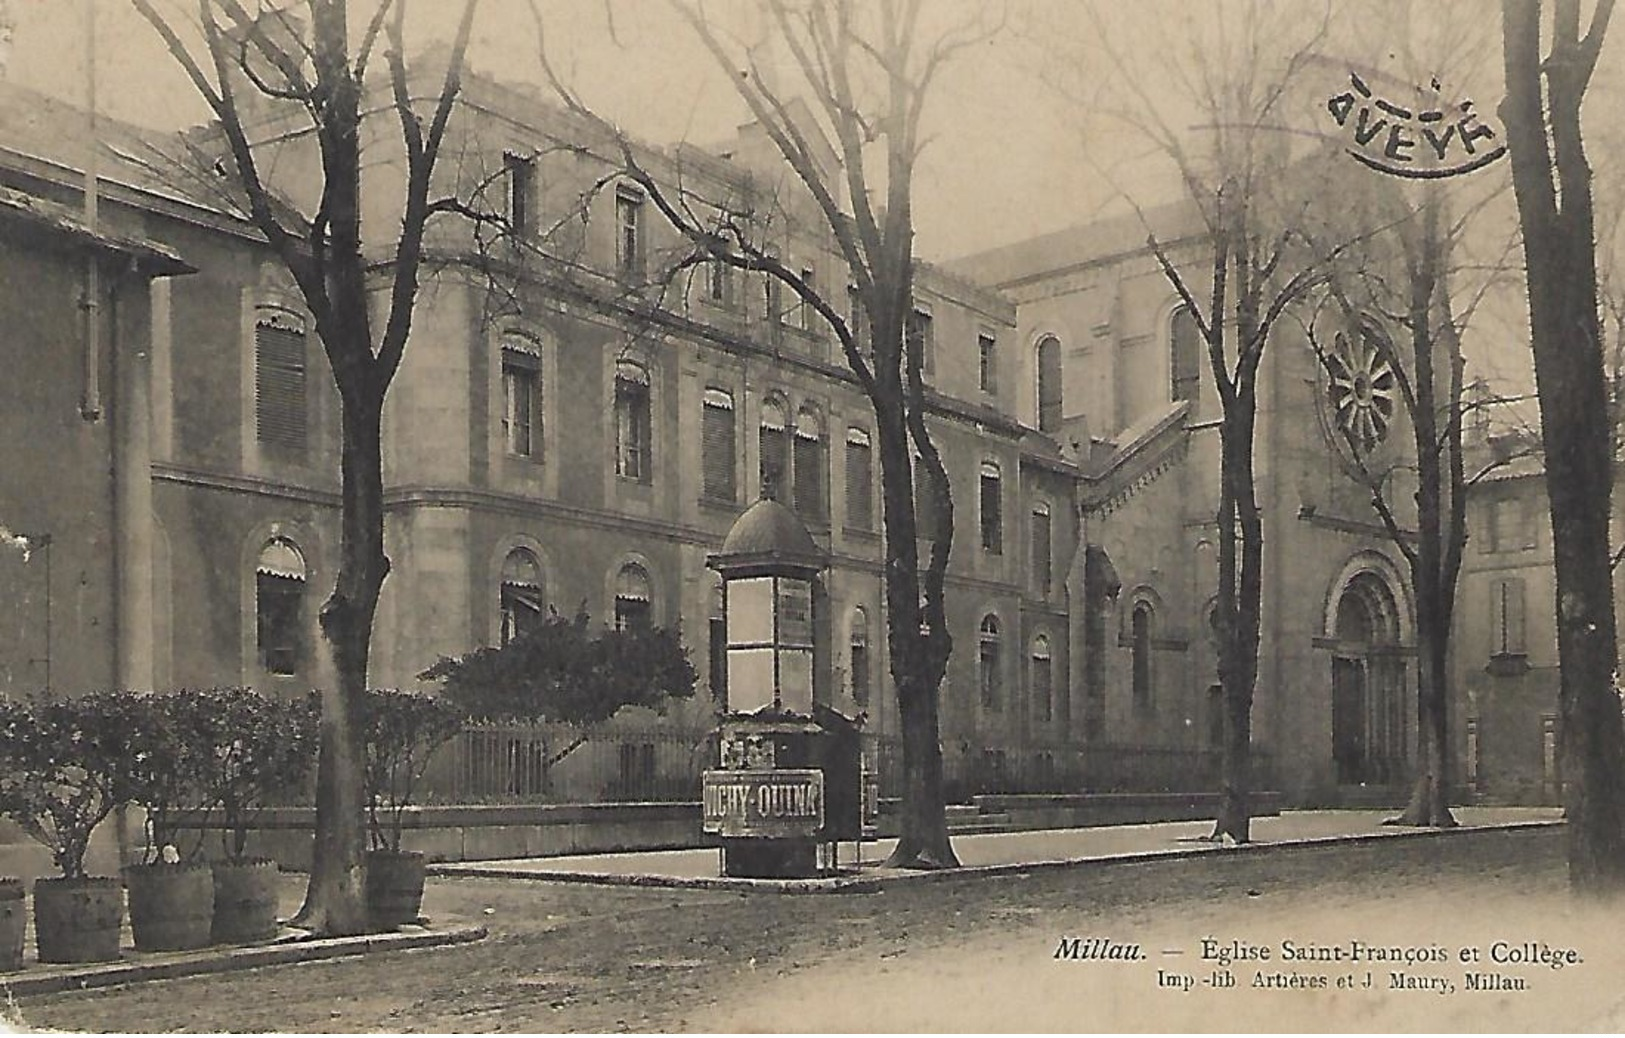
(570, 429)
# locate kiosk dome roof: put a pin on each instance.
(768, 528)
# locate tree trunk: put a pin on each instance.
(918, 642)
(1241, 543)
(1556, 215)
(335, 900)
(1432, 576)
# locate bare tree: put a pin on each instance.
(315, 63)
(1373, 379)
(1551, 179)
(867, 70)
(1255, 264)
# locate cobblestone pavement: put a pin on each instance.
(972, 954)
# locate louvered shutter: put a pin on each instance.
(717, 446)
(279, 383)
(860, 501)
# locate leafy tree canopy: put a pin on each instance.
(569, 670)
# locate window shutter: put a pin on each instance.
(717, 446)
(1042, 578)
(860, 500)
(992, 515)
(809, 468)
(775, 452)
(279, 383)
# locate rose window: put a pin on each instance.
(1361, 388)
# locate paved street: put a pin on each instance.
(971, 954)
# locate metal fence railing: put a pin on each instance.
(497, 763)
(558, 764)
(1096, 768)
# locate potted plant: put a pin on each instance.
(171, 892)
(66, 774)
(403, 731)
(259, 749)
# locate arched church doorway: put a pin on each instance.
(1368, 685)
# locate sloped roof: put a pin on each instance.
(152, 257)
(1077, 245)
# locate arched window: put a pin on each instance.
(279, 378)
(279, 596)
(632, 458)
(809, 466)
(523, 599)
(1043, 579)
(633, 602)
(1050, 400)
(989, 675)
(717, 446)
(1043, 680)
(991, 500)
(775, 450)
(860, 480)
(859, 663)
(1184, 356)
(1140, 650)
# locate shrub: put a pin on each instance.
(403, 731)
(171, 753)
(66, 768)
(259, 749)
(565, 670)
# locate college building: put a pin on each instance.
(580, 418)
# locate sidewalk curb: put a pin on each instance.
(869, 884)
(173, 965)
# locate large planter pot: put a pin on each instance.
(12, 924)
(77, 920)
(171, 906)
(394, 887)
(245, 902)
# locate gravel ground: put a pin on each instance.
(972, 954)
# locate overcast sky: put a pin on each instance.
(1010, 156)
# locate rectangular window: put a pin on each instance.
(805, 314)
(775, 461)
(992, 511)
(1043, 581)
(987, 363)
(519, 176)
(629, 234)
(720, 283)
(920, 337)
(279, 380)
(1507, 617)
(809, 475)
(632, 427)
(1512, 524)
(717, 447)
(521, 404)
(860, 479)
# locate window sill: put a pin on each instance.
(859, 533)
(729, 505)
